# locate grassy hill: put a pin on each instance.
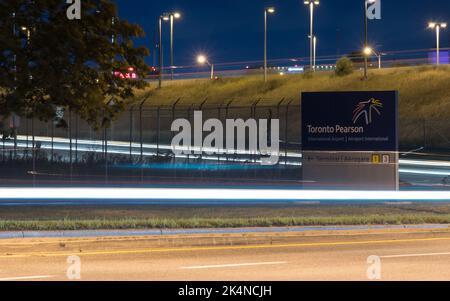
(424, 91)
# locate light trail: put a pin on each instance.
(110, 194)
(442, 168)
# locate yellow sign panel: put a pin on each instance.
(376, 159)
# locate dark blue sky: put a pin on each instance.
(232, 30)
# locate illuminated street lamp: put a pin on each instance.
(172, 16)
(437, 26)
(269, 10)
(27, 32)
(201, 59)
(311, 4)
(366, 21)
(368, 51)
(164, 17)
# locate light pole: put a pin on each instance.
(164, 17)
(437, 26)
(14, 55)
(201, 59)
(369, 51)
(172, 16)
(366, 43)
(268, 10)
(311, 4)
(314, 52)
(27, 33)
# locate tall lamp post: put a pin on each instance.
(314, 52)
(437, 26)
(172, 16)
(268, 10)
(366, 43)
(201, 59)
(164, 17)
(311, 4)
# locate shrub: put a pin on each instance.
(344, 66)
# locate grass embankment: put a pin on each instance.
(159, 217)
(424, 91)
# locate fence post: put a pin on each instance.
(70, 144)
(26, 130)
(253, 108)
(141, 138)
(253, 155)
(53, 138)
(226, 117)
(219, 116)
(76, 139)
(174, 106)
(286, 131)
(278, 116)
(189, 119)
(424, 124)
(158, 129)
(33, 152)
(201, 149)
(131, 133)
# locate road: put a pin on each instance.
(404, 255)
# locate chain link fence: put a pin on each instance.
(137, 145)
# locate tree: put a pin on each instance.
(344, 66)
(48, 61)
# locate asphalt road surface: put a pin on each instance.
(403, 255)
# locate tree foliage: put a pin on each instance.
(344, 66)
(48, 62)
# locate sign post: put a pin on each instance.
(350, 140)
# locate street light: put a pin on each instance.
(369, 51)
(311, 4)
(201, 59)
(27, 32)
(172, 16)
(366, 21)
(314, 51)
(164, 17)
(437, 26)
(268, 10)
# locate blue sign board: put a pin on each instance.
(350, 121)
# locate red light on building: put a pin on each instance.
(131, 74)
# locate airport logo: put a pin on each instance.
(365, 109)
(228, 139)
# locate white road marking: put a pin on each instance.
(415, 255)
(25, 278)
(232, 265)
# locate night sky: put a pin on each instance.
(232, 30)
